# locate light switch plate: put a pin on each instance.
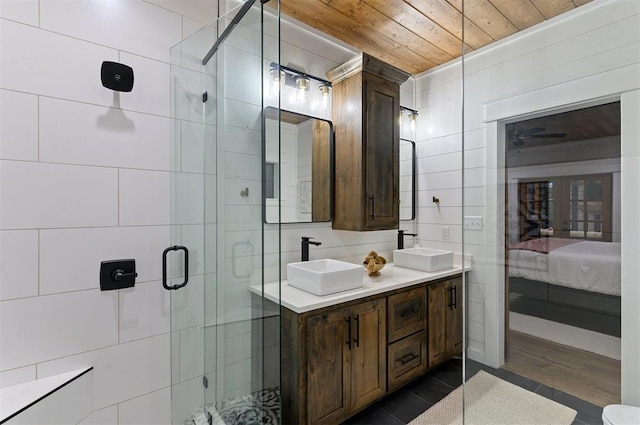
(473, 223)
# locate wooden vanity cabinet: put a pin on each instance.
(444, 320)
(341, 359)
(338, 360)
(366, 112)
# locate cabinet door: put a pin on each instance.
(368, 353)
(454, 316)
(328, 377)
(437, 304)
(382, 151)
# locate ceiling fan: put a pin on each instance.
(518, 136)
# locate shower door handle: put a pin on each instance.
(164, 267)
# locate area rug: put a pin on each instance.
(489, 400)
(583, 339)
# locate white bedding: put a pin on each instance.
(587, 265)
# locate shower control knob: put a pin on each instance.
(119, 274)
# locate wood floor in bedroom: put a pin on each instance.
(588, 376)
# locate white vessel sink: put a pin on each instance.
(424, 259)
(323, 277)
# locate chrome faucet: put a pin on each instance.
(401, 235)
(305, 247)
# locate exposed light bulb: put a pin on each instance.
(277, 78)
(326, 94)
(302, 83)
(412, 120)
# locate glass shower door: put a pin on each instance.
(224, 332)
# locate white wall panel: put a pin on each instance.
(18, 264)
(37, 329)
(37, 61)
(50, 195)
(106, 416)
(76, 133)
(144, 197)
(18, 125)
(142, 28)
(122, 371)
(17, 376)
(144, 311)
(25, 11)
(82, 250)
(151, 89)
(203, 11)
(150, 409)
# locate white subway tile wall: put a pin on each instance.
(85, 177)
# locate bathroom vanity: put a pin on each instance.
(342, 352)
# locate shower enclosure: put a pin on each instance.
(224, 336)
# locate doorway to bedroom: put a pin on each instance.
(562, 268)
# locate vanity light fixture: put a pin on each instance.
(299, 80)
(412, 114)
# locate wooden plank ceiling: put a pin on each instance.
(416, 35)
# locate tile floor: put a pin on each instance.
(406, 404)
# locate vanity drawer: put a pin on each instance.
(407, 313)
(407, 359)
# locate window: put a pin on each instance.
(587, 211)
(576, 207)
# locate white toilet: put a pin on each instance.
(618, 414)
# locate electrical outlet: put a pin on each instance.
(445, 233)
(472, 223)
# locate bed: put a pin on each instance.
(551, 276)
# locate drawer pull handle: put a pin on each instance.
(349, 332)
(372, 198)
(408, 358)
(408, 313)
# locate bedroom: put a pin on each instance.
(564, 231)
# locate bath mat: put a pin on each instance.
(489, 400)
(583, 339)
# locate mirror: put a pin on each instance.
(299, 175)
(407, 179)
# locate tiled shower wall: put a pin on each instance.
(84, 177)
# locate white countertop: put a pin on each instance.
(390, 278)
